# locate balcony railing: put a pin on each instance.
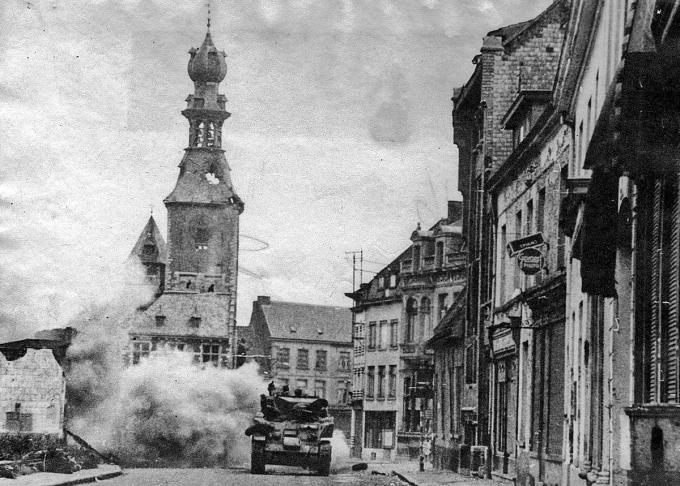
(408, 348)
(357, 395)
(414, 348)
(455, 258)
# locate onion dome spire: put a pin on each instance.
(207, 64)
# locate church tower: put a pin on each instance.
(196, 311)
(203, 208)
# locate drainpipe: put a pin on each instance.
(480, 264)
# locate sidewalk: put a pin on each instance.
(105, 471)
(408, 472)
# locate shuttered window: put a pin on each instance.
(662, 333)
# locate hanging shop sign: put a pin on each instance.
(531, 261)
(531, 241)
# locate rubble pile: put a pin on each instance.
(66, 460)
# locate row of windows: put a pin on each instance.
(215, 354)
(283, 359)
(378, 337)
(391, 383)
(341, 391)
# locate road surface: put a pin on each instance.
(276, 476)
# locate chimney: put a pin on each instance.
(264, 300)
(455, 212)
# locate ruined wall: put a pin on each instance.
(32, 393)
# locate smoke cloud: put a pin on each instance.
(164, 411)
(340, 451)
(171, 411)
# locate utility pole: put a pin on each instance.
(354, 268)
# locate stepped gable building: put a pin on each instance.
(306, 346)
(195, 307)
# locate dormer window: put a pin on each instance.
(524, 112)
(160, 321)
(195, 322)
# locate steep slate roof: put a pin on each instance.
(510, 31)
(192, 185)
(150, 235)
(307, 320)
(178, 309)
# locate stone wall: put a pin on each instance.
(32, 393)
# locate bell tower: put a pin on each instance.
(195, 311)
(203, 208)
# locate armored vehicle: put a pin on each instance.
(291, 431)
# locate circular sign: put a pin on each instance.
(531, 261)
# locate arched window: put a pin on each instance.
(200, 135)
(411, 316)
(210, 134)
(201, 233)
(425, 317)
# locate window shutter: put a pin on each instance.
(671, 281)
(656, 274)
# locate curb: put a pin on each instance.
(85, 480)
(90, 479)
(404, 478)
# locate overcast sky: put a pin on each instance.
(340, 137)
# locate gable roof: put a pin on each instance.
(310, 322)
(150, 235)
(178, 308)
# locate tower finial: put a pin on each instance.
(208, 15)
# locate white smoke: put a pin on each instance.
(340, 449)
(173, 412)
(164, 411)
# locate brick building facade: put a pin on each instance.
(579, 359)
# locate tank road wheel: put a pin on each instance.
(257, 458)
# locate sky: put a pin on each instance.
(340, 137)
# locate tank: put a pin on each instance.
(291, 431)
